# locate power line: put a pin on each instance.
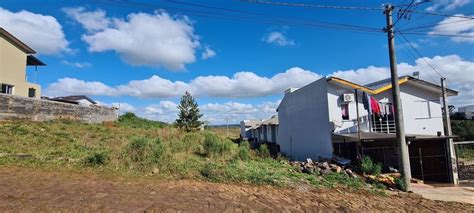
(437, 34)
(441, 14)
(419, 54)
(423, 27)
(315, 5)
(280, 20)
(354, 8)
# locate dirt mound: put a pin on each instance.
(32, 190)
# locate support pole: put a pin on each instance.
(403, 155)
(357, 113)
(452, 159)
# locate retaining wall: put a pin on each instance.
(16, 107)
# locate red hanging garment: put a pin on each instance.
(374, 104)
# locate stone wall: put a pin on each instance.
(16, 107)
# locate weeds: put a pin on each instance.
(96, 159)
(127, 147)
(131, 120)
(369, 167)
(143, 153)
(215, 146)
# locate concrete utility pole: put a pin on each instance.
(447, 132)
(403, 155)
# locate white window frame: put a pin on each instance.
(12, 89)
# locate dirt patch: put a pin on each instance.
(26, 189)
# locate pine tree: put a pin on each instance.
(188, 117)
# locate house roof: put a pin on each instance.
(15, 41)
(73, 99)
(33, 61)
(272, 121)
(385, 84)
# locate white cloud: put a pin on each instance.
(215, 113)
(208, 53)
(242, 84)
(248, 84)
(447, 5)
(456, 26)
(72, 86)
(154, 40)
(91, 21)
(278, 38)
(77, 64)
(43, 33)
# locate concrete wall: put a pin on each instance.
(16, 107)
(413, 99)
(13, 69)
(304, 130)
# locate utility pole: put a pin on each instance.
(447, 132)
(403, 155)
(227, 126)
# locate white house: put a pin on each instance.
(260, 131)
(329, 117)
(246, 128)
(468, 111)
(75, 99)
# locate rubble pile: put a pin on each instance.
(323, 167)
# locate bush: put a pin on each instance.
(143, 152)
(463, 129)
(213, 146)
(96, 159)
(243, 153)
(400, 183)
(369, 167)
(131, 120)
(263, 151)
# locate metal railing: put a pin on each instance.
(383, 126)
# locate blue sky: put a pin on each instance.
(237, 63)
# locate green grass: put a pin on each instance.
(131, 120)
(126, 147)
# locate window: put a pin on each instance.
(345, 111)
(422, 109)
(6, 89)
(31, 92)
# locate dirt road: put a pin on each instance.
(31, 190)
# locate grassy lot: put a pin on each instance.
(135, 147)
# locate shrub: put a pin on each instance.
(400, 183)
(213, 146)
(263, 151)
(96, 159)
(369, 167)
(143, 152)
(131, 120)
(243, 153)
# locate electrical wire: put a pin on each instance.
(315, 5)
(419, 54)
(279, 21)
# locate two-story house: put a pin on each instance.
(14, 57)
(332, 116)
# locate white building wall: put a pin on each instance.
(421, 109)
(335, 110)
(304, 130)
